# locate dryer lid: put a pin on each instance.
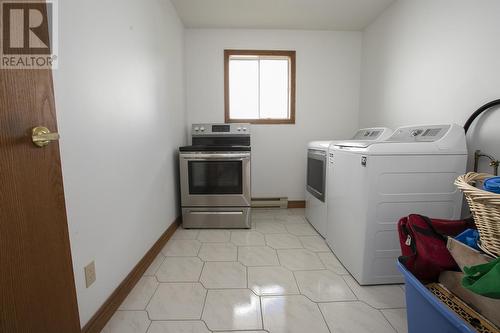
(354, 144)
(320, 145)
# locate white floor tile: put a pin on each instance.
(314, 243)
(242, 332)
(296, 211)
(227, 275)
(140, 294)
(397, 318)
(181, 248)
(332, 263)
(323, 286)
(155, 265)
(181, 233)
(247, 238)
(127, 322)
(279, 212)
(349, 317)
(271, 281)
(291, 219)
(180, 269)
(178, 327)
(299, 259)
(257, 256)
(214, 236)
(257, 219)
(237, 309)
(177, 301)
(262, 212)
(380, 297)
(218, 252)
(270, 227)
(292, 314)
(279, 273)
(283, 241)
(301, 229)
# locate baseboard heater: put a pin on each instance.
(270, 202)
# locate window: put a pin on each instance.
(259, 86)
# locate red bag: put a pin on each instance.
(423, 244)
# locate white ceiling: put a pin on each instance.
(280, 14)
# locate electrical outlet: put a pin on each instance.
(89, 274)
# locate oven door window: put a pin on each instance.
(316, 177)
(215, 177)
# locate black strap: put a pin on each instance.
(426, 232)
(428, 221)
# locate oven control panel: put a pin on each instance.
(220, 129)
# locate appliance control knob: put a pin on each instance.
(239, 129)
(196, 129)
(244, 129)
(202, 129)
(416, 132)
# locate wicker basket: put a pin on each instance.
(485, 208)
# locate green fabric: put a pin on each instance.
(483, 279)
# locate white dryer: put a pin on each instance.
(317, 174)
(373, 185)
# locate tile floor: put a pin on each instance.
(278, 277)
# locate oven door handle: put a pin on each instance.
(205, 157)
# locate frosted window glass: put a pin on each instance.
(273, 89)
(244, 89)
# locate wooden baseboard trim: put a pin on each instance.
(102, 316)
(297, 204)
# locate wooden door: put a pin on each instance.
(37, 290)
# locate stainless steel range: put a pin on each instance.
(215, 177)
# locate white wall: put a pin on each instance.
(120, 105)
(327, 88)
(434, 61)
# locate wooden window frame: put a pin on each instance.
(289, 54)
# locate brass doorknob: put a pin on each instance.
(41, 136)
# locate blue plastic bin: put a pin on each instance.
(425, 311)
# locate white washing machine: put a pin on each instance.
(317, 174)
(374, 185)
